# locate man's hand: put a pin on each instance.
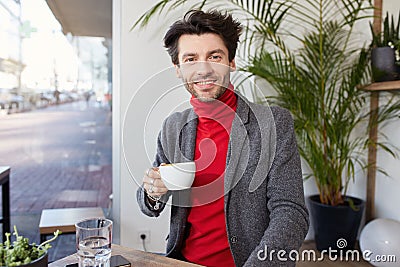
(153, 184)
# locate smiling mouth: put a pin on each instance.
(203, 83)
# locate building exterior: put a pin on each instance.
(11, 63)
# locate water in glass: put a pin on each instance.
(94, 242)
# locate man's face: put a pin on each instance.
(204, 65)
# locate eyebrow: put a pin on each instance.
(216, 51)
(190, 54)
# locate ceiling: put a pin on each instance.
(84, 17)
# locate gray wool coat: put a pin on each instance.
(264, 198)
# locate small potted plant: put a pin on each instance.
(385, 53)
(21, 253)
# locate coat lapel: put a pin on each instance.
(238, 146)
(187, 138)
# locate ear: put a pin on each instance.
(232, 65)
(178, 71)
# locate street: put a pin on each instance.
(60, 156)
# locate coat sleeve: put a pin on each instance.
(141, 195)
(289, 220)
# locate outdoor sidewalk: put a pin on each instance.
(60, 157)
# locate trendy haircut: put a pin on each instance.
(199, 22)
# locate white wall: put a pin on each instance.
(139, 81)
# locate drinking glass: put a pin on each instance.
(93, 242)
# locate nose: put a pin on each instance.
(203, 68)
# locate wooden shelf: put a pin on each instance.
(382, 86)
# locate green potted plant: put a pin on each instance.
(22, 253)
(385, 53)
(308, 52)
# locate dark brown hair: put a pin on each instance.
(199, 22)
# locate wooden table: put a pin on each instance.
(136, 257)
(5, 193)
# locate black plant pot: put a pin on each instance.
(336, 227)
(41, 262)
(383, 64)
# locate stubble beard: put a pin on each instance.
(220, 91)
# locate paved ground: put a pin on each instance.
(60, 156)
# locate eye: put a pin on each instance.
(189, 59)
(215, 58)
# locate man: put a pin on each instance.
(247, 198)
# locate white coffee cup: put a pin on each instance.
(178, 176)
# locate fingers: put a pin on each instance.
(152, 173)
(153, 184)
(154, 190)
(152, 177)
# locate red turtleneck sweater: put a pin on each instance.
(207, 243)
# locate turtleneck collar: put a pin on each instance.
(218, 109)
